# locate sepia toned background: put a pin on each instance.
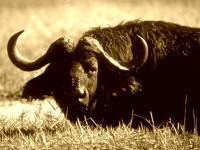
(44, 21)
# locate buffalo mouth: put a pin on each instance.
(84, 98)
(80, 95)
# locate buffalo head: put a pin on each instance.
(75, 72)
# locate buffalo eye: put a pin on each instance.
(90, 66)
(92, 70)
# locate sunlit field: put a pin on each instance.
(40, 124)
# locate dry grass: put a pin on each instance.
(47, 20)
(56, 133)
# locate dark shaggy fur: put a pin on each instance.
(166, 85)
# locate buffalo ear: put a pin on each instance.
(38, 88)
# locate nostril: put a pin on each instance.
(83, 93)
(80, 91)
(76, 88)
(75, 83)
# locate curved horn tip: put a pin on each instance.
(145, 50)
(143, 41)
(15, 36)
(21, 31)
(18, 33)
(19, 60)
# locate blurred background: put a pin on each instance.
(45, 21)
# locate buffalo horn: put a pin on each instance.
(137, 63)
(142, 55)
(19, 60)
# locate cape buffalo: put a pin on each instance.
(134, 70)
